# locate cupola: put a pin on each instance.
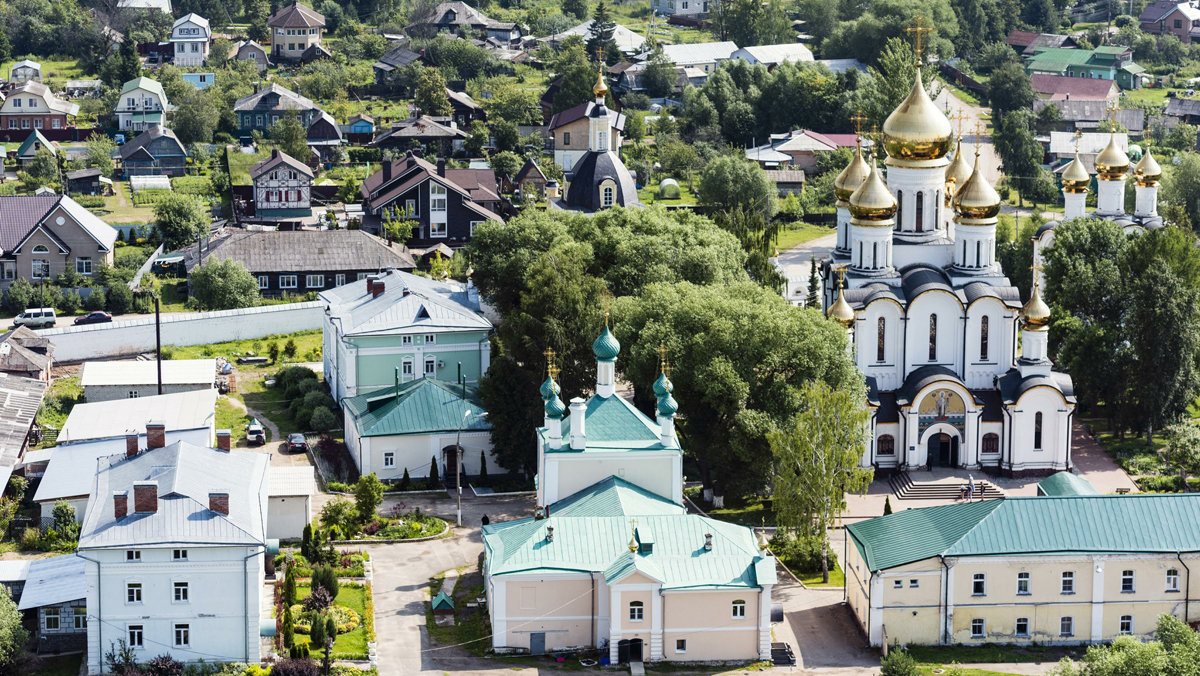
(977, 199)
(872, 202)
(916, 129)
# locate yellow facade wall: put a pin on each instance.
(560, 608)
(858, 582)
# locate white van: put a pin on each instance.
(37, 318)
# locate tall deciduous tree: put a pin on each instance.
(660, 76)
(291, 137)
(196, 117)
(1009, 89)
(1182, 451)
(12, 635)
(731, 183)
(576, 8)
(817, 458)
(179, 220)
(224, 285)
(431, 93)
(1019, 150)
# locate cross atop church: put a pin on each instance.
(551, 369)
(917, 32)
(959, 116)
(1078, 135)
(858, 118)
(978, 136)
(662, 357)
(1112, 109)
(606, 300)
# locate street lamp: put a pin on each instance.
(458, 461)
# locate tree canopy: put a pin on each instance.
(179, 220)
(224, 285)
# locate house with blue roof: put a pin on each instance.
(611, 559)
(1067, 569)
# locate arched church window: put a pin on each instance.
(886, 445)
(964, 256)
(991, 443)
(860, 258)
(1037, 431)
(899, 208)
(983, 339)
(874, 255)
(880, 338)
(978, 254)
(920, 220)
(932, 337)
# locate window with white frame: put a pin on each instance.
(979, 584)
(1068, 582)
(406, 368)
(1023, 584)
(264, 281)
(41, 268)
(134, 635)
(1127, 582)
(637, 611)
(738, 610)
(438, 229)
(1022, 626)
(1126, 624)
(475, 224)
(898, 584)
(51, 619)
(430, 366)
(914, 583)
(287, 281)
(80, 617)
(183, 635)
(430, 338)
(133, 555)
(389, 459)
(410, 208)
(179, 555)
(83, 265)
(133, 592)
(608, 196)
(978, 628)
(181, 592)
(1066, 626)
(437, 197)
(1172, 579)
(314, 281)
(339, 279)
(681, 645)
(406, 340)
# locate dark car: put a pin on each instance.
(296, 443)
(96, 317)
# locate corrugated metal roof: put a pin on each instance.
(424, 406)
(614, 495)
(14, 571)
(429, 306)
(107, 419)
(186, 475)
(174, 372)
(1065, 483)
(291, 481)
(71, 470)
(19, 402)
(598, 543)
(915, 534)
(612, 424)
(58, 579)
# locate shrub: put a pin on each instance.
(340, 513)
(289, 348)
(164, 665)
(273, 352)
(337, 487)
(1160, 484)
(405, 481)
(17, 485)
(899, 663)
(290, 375)
(319, 599)
(96, 300)
(296, 666)
(433, 479)
(368, 495)
(17, 297)
(322, 420)
(70, 303)
(325, 577)
(801, 554)
(289, 586)
(344, 620)
(120, 299)
(289, 626)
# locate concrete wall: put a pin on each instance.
(134, 336)
(287, 516)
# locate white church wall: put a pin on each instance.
(949, 331)
(888, 373)
(893, 460)
(904, 255)
(986, 428)
(981, 371)
(570, 473)
(1056, 435)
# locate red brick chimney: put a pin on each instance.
(219, 503)
(131, 443)
(145, 496)
(371, 284)
(156, 434)
(224, 439)
(379, 288)
(120, 504)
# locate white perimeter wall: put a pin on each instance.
(136, 336)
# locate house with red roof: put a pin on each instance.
(799, 149)
(1180, 19)
(1063, 88)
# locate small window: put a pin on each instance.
(133, 555)
(389, 459)
(80, 617)
(1022, 627)
(979, 585)
(914, 583)
(566, 138)
(135, 636)
(133, 592)
(41, 248)
(983, 339)
(183, 635)
(681, 645)
(339, 279)
(1037, 431)
(932, 337)
(898, 584)
(977, 628)
(314, 281)
(287, 281)
(608, 198)
(83, 266)
(886, 445)
(636, 611)
(880, 339)
(1126, 625)
(1068, 582)
(1066, 626)
(739, 610)
(181, 592)
(406, 340)
(430, 338)
(1127, 582)
(51, 622)
(991, 443)
(179, 555)
(1023, 584)
(264, 281)
(430, 366)
(1172, 579)
(406, 368)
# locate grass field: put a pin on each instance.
(649, 195)
(837, 579)
(56, 70)
(119, 207)
(352, 642)
(240, 163)
(993, 654)
(798, 233)
(1146, 95)
(230, 417)
(62, 395)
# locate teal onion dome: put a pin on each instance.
(662, 385)
(667, 405)
(555, 408)
(606, 347)
(548, 389)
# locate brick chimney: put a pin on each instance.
(224, 439)
(156, 434)
(219, 503)
(441, 167)
(120, 504)
(379, 288)
(371, 284)
(131, 443)
(145, 496)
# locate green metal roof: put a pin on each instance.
(1133, 68)
(145, 83)
(1096, 524)
(29, 144)
(443, 601)
(1065, 483)
(424, 406)
(612, 424)
(591, 534)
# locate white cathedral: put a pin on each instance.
(933, 322)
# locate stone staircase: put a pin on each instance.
(905, 488)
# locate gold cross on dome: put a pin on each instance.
(858, 118)
(1078, 135)
(606, 300)
(978, 136)
(917, 32)
(841, 274)
(662, 356)
(959, 116)
(551, 369)
(1112, 109)
(667, 368)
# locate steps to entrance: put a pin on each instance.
(905, 488)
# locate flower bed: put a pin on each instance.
(351, 645)
(346, 619)
(349, 564)
(406, 527)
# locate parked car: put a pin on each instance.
(296, 443)
(36, 318)
(255, 434)
(97, 317)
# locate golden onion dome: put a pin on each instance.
(916, 129)
(1035, 315)
(1147, 171)
(1075, 177)
(977, 199)
(852, 176)
(959, 170)
(1112, 162)
(601, 87)
(872, 201)
(840, 311)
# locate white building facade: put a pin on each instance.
(191, 36)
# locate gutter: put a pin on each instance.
(595, 639)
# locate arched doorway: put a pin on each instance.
(450, 466)
(943, 450)
(629, 650)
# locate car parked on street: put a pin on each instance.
(36, 318)
(255, 434)
(97, 317)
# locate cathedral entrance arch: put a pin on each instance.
(943, 449)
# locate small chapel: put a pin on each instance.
(956, 365)
(596, 179)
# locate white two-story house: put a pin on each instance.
(142, 104)
(191, 36)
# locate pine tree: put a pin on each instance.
(433, 473)
(887, 505)
(405, 481)
(814, 286)
(289, 585)
(289, 626)
(306, 542)
(600, 34)
(483, 475)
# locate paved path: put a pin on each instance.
(797, 262)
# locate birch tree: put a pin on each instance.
(817, 458)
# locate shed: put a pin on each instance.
(56, 590)
(289, 505)
(1064, 484)
(443, 604)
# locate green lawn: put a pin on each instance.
(62, 395)
(1146, 95)
(119, 207)
(56, 70)
(798, 233)
(65, 665)
(649, 195)
(962, 94)
(240, 163)
(352, 643)
(837, 578)
(232, 418)
(985, 654)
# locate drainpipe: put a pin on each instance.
(1187, 583)
(246, 594)
(595, 639)
(99, 608)
(945, 601)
